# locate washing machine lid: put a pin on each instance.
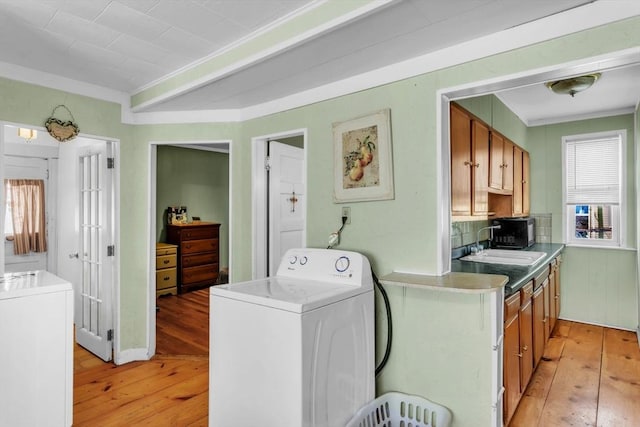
(294, 295)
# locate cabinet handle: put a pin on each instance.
(166, 261)
(544, 320)
(468, 163)
(556, 297)
(166, 278)
(525, 348)
(519, 355)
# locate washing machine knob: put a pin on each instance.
(342, 264)
(303, 260)
(293, 259)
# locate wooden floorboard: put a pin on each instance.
(589, 376)
(172, 389)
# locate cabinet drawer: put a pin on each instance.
(200, 259)
(167, 251)
(195, 246)
(541, 277)
(199, 233)
(166, 261)
(511, 307)
(203, 273)
(166, 278)
(526, 293)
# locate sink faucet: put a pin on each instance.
(490, 228)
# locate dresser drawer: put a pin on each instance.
(203, 273)
(199, 233)
(166, 261)
(166, 249)
(166, 278)
(200, 259)
(195, 246)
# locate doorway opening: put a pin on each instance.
(195, 177)
(81, 248)
(279, 177)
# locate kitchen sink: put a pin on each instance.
(502, 256)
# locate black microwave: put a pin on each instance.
(514, 233)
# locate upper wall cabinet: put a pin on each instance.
(501, 166)
(489, 177)
(469, 164)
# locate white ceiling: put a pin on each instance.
(125, 45)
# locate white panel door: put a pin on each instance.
(87, 202)
(287, 201)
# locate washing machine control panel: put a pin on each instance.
(326, 265)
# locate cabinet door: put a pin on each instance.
(507, 170)
(496, 165)
(526, 336)
(538, 325)
(511, 356)
(460, 162)
(552, 301)
(480, 175)
(546, 297)
(517, 181)
(557, 294)
(525, 184)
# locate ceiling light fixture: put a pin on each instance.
(27, 134)
(573, 85)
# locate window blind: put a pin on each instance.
(593, 171)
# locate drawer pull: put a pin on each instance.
(166, 261)
(166, 278)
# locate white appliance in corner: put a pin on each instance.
(36, 358)
(295, 349)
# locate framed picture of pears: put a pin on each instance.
(363, 167)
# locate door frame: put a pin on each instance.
(115, 144)
(151, 232)
(259, 210)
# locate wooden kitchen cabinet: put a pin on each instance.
(557, 292)
(526, 335)
(501, 165)
(539, 325)
(469, 164)
(198, 253)
(511, 359)
(526, 194)
(521, 193)
(553, 315)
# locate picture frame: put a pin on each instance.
(363, 166)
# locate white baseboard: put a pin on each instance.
(131, 355)
(604, 325)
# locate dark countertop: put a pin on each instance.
(518, 275)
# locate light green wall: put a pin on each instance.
(598, 285)
(399, 234)
(198, 180)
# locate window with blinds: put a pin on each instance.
(594, 171)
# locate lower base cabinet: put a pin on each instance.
(529, 318)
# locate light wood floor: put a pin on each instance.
(172, 389)
(590, 377)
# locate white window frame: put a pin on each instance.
(618, 213)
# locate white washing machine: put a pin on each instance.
(295, 349)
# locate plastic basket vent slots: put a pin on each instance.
(401, 410)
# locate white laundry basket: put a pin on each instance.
(401, 410)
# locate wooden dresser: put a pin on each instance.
(198, 251)
(166, 269)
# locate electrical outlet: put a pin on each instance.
(346, 212)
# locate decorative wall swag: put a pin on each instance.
(62, 131)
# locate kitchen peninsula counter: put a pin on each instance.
(518, 275)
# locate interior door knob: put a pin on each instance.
(73, 255)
